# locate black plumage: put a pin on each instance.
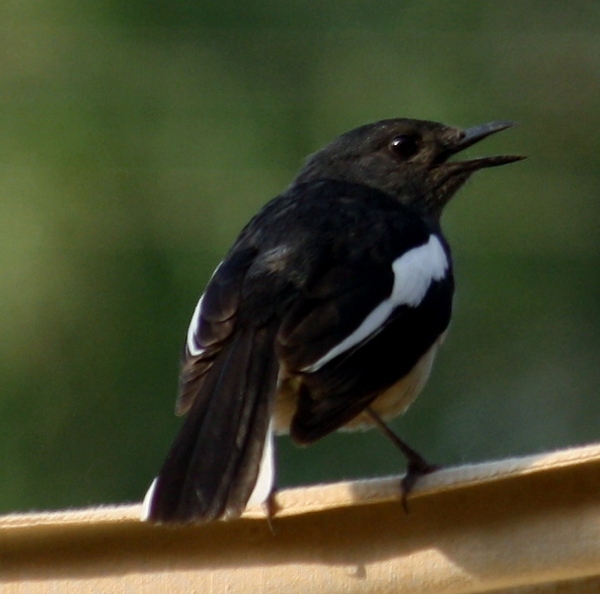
(330, 303)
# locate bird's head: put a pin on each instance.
(408, 159)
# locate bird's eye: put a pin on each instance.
(404, 146)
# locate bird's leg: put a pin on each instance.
(417, 465)
(271, 507)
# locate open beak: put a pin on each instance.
(473, 135)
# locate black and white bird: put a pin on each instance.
(326, 313)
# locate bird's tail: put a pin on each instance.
(214, 462)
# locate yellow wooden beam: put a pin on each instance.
(518, 525)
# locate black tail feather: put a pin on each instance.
(213, 464)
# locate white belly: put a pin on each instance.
(391, 403)
(397, 398)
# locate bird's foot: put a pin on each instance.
(271, 507)
(417, 467)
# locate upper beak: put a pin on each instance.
(471, 136)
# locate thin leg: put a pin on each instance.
(271, 507)
(417, 465)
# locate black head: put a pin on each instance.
(407, 159)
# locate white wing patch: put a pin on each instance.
(414, 272)
(266, 472)
(192, 346)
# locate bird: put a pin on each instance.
(325, 314)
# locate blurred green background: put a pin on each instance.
(136, 138)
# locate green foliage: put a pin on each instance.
(136, 139)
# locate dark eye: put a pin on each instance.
(404, 146)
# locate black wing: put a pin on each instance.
(212, 324)
(334, 394)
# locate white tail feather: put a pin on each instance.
(266, 472)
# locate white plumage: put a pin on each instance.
(192, 346)
(266, 473)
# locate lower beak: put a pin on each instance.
(473, 135)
